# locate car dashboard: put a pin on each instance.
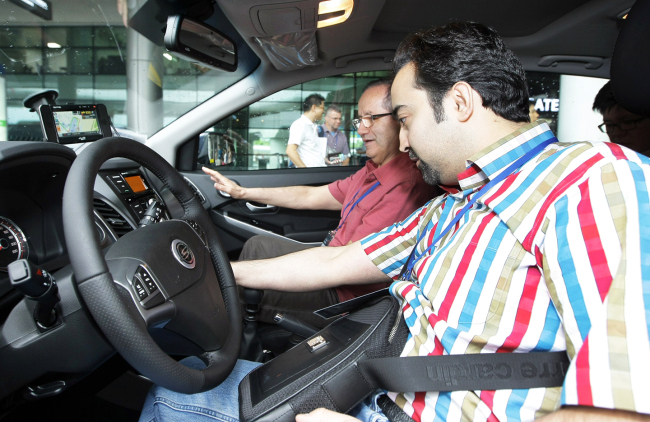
(32, 181)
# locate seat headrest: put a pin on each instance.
(630, 70)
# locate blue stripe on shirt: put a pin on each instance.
(484, 266)
(644, 234)
(550, 330)
(568, 268)
(533, 177)
(512, 155)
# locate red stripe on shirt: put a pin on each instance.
(594, 246)
(616, 150)
(524, 311)
(583, 377)
(504, 187)
(555, 194)
(413, 225)
(492, 418)
(443, 313)
(418, 406)
(469, 172)
(487, 397)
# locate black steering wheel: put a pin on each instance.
(166, 286)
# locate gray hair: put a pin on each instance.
(333, 107)
(387, 82)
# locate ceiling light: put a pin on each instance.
(623, 14)
(167, 56)
(331, 12)
(53, 45)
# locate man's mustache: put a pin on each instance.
(412, 155)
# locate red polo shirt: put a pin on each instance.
(401, 191)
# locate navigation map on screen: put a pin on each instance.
(75, 123)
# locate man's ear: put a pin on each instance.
(464, 100)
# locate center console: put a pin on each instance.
(135, 191)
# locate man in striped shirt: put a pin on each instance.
(553, 256)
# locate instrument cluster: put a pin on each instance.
(13, 243)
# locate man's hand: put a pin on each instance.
(334, 161)
(324, 415)
(224, 184)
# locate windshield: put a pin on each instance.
(93, 52)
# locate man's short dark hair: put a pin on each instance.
(333, 107)
(312, 100)
(466, 52)
(386, 103)
(605, 100)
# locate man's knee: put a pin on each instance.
(252, 248)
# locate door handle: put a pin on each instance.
(255, 208)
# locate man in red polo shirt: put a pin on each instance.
(386, 190)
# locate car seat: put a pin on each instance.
(630, 69)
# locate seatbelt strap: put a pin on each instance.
(478, 371)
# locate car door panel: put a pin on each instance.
(238, 220)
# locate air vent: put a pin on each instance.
(196, 190)
(114, 219)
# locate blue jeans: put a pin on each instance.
(222, 402)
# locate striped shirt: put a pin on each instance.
(555, 257)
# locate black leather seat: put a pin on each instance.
(630, 70)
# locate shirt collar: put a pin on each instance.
(306, 120)
(326, 130)
(489, 162)
(383, 173)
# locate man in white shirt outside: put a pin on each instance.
(305, 148)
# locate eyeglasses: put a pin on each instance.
(622, 126)
(367, 120)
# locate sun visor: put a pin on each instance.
(290, 29)
(631, 61)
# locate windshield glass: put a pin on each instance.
(93, 52)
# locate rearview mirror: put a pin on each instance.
(200, 43)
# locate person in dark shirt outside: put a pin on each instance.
(338, 151)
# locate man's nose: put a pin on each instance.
(362, 129)
(403, 142)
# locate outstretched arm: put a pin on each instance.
(312, 269)
(296, 197)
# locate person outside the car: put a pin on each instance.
(337, 142)
(305, 148)
(550, 256)
(387, 189)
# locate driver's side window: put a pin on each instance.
(256, 137)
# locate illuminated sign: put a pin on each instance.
(547, 104)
